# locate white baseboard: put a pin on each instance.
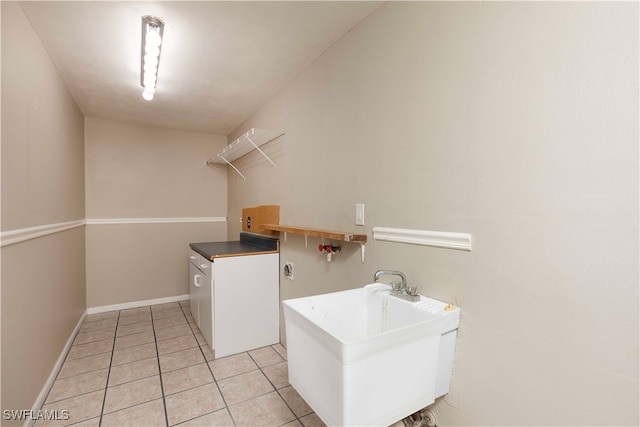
(136, 304)
(54, 372)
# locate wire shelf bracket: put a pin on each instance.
(252, 140)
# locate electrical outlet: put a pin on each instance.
(360, 214)
(288, 270)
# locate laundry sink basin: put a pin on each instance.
(364, 357)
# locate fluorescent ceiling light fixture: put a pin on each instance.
(152, 29)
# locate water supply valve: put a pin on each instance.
(330, 250)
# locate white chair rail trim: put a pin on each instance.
(23, 234)
(439, 239)
(113, 221)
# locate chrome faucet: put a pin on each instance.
(403, 283)
(400, 290)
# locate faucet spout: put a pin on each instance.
(409, 293)
(403, 278)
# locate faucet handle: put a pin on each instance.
(395, 286)
(412, 290)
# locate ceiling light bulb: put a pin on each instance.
(151, 50)
(153, 38)
(152, 32)
(151, 61)
(148, 93)
(150, 68)
(149, 80)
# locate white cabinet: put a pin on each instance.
(235, 302)
(201, 294)
(194, 304)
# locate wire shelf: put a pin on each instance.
(252, 140)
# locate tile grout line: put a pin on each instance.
(215, 381)
(290, 408)
(156, 357)
(72, 376)
(134, 380)
(155, 340)
(160, 370)
(278, 391)
(60, 370)
(193, 332)
(274, 386)
(106, 385)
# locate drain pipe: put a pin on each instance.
(423, 418)
(409, 421)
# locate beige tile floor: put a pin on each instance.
(150, 366)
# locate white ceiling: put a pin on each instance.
(220, 61)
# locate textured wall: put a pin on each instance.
(515, 122)
(148, 173)
(43, 279)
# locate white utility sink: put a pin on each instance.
(365, 358)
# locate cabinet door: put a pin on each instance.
(205, 299)
(195, 279)
(247, 302)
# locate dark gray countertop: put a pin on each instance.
(249, 244)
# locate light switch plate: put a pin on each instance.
(359, 213)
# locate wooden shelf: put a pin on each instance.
(327, 234)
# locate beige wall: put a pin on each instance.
(43, 279)
(515, 122)
(137, 171)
